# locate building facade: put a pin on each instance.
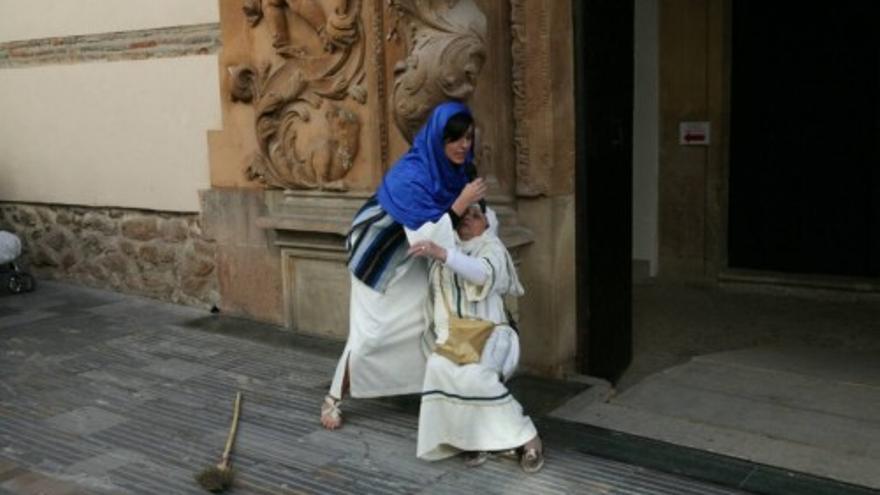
(213, 153)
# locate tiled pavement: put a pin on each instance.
(106, 393)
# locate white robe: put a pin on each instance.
(467, 407)
(386, 350)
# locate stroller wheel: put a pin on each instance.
(15, 285)
(28, 284)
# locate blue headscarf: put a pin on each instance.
(423, 183)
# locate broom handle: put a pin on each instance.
(232, 429)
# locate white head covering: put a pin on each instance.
(514, 287)
(492, 218)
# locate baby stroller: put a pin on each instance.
(12, 277)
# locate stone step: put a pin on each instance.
(762, 403)
(745, 445)
(853, 367)
(815, 394)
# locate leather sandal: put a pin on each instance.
(331, 415)
(532, 459)
(477, 458)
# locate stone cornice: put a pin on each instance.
(176, 41)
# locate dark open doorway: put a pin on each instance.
(603, 63)
(805, 127)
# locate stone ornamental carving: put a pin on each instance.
(446, 47)
(530, 55)
(307, 132)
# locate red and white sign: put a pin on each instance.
(693, 133)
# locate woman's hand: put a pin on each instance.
(427, 249)
(472, 192)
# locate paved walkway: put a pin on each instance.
(104, 393)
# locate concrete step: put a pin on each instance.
(837, 417)
(847, 399)
(599, 391)
(803, 409)
(853, 367)
(749, 446)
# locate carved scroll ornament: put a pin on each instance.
(530, 28)
(308, 137)
(446, 46)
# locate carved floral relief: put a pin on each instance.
(308, 95)
(303, 96)
(446, 47)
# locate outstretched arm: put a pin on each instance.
(468, 267)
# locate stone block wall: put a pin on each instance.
(161, 255)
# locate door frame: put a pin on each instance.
(603, 200)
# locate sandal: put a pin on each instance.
(474, 459)
(331, 415)
(532, 458)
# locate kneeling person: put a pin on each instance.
(467, 408)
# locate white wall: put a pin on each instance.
(129, 133)
(31, 19)
(646, 134)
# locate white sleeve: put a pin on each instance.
(440, 233)
(472, 269)
(501, 352)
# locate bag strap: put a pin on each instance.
(443, 292)
(446, 301)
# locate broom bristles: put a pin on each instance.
(216, 479)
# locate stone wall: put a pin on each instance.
(156, 254)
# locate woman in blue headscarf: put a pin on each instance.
(422, 197)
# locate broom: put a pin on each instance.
(218, 478)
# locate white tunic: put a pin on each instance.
(386, 350)
(467, 407)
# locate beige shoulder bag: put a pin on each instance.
(467, 336)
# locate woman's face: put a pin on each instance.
(472, 224)
(457, 151)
